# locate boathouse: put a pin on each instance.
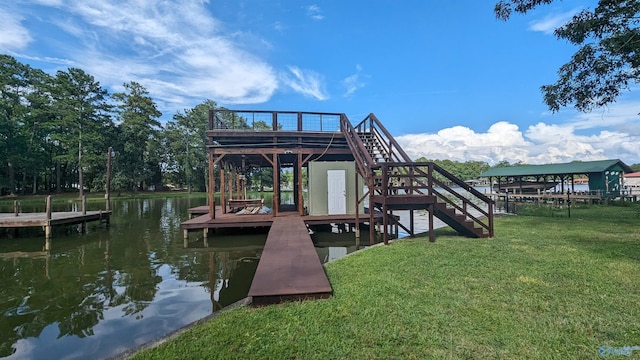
(605, 177)
(357, 176)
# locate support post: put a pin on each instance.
(432, 236)
(107, 187)
(223, 202)
(230, 185)
(357, 210)
(299, 181)
(16, 208)
(185, 238)
(84, 204)
(372, 229)
(47, 227)
(212, 188)
(276, 184)
(411, 224)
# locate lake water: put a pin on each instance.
(107, 291)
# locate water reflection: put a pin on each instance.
(332, 245)
(99, 294)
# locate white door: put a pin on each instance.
(337, 194)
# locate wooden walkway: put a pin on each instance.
(289, 268)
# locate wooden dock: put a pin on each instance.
(289, 268)
(51, 219)
(10, 220)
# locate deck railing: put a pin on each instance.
(259, 120)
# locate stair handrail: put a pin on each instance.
(485, 199)
(415, 175)
(360, 153)
(376, 127)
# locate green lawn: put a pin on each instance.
(544, 287)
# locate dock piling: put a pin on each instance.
(47, 227)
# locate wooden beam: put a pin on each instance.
(267, 158)
(217, 159)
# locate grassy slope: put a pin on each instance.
(545, 287)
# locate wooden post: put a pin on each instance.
(411, 224)
(84, 204)
(47, 227)
(212, 186)
(243, 176)
(107, 187)
(299, 180)
(16, 208)
(185, 238)
(432, 236)
(385, 222)
(357, 210)
(372, 229)
(230, 181)
(276, 184)
(223, 202)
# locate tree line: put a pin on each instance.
(55, 131)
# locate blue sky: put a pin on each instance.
(446, 78)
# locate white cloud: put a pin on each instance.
(623, 113)
(314, 12)
(306, 82)
(175, 49)
(14, 35)
(552, 21)
(353, 82)
(539, 144)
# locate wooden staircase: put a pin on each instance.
(395, 182)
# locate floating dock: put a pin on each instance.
(289, 268)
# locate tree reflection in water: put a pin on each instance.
(98, 294)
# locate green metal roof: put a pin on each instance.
(578, 167)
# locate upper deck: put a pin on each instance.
(253, 133)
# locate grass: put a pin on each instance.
(544, 287)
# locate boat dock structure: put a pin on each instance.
(556, 182)
(352, 176)
(49, 219)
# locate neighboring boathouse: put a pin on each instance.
(605, 177)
